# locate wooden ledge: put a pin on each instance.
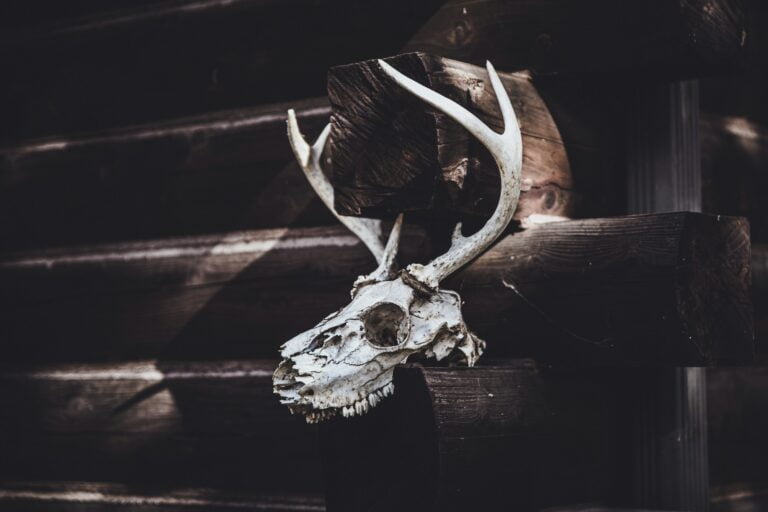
(666, 289)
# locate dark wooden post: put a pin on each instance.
(670, 405)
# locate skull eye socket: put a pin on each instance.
(384, 326)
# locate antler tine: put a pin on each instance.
(506, 149)
(387, 265)
(367, 230)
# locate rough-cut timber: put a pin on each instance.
(149, 423)
(170, 59)
(97, 497)
(652, 289)
(219, 172)
(390, 152)
(510, 436)
(674, 287)
(233, 295)
(668, 38)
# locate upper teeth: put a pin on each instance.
(358, 408)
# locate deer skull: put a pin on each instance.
(345, 363)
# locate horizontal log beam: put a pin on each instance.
(95, 497)
(157, 61)
(205, 424)
(653, 289)
(511, 436)
(667, 38)
(219, 172)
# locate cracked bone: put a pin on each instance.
(344, 365)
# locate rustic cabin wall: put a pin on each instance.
(158, 243)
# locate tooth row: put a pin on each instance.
(321, 415)
(362, 406)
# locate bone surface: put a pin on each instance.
(345, 364)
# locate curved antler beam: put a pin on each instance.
(506, 149)
(367, 230)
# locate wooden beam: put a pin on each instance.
(510, 436)
(667, 38)
(654, 289)
(95, 497)
(417, 159)
(219, 172)
(202, 424)
(141, 63)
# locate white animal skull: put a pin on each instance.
(345, 363)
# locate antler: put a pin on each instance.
(506, 149)
(367, 230)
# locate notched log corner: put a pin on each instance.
(390, 152)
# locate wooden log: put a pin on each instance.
(654, 289)
(511, 436)
(219, 172)
(94, 497)
(148, 62)
(155, 424)
(668, 38)
(420, 159)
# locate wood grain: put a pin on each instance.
(155, 423)
(218, 172)
(494, 437)
(153, 62)
(390, 152)
(655, 289)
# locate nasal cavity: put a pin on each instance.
(383, 324)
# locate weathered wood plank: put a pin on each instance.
(91, 496)
(220, 172)
(668, 38)
(184, 58)
(654, 289)
(390, 152)
(511, 436)
(496, 437)
(181, 424)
